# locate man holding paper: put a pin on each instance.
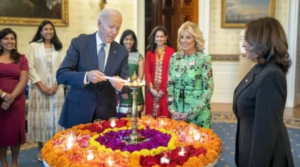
(90, 62)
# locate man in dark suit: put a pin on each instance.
(89, 59)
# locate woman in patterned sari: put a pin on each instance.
(156, 72)
(190, 84)
(136, 72)
(46, 96)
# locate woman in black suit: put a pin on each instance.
(259, 100)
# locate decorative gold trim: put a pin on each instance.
(241, 25)
(225, 57)
(26, 21)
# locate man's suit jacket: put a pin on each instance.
(259, 101)
(82, 100)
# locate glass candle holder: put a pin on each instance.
(113, 121)
(162, 121)
(166, 157)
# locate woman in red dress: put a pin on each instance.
(156, 72)
(13, 79)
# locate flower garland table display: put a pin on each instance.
(165, 143)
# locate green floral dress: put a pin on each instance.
(124, 107)
(190, 87)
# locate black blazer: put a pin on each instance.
(259, 101)
(82, 100)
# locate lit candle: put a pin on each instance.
(182, 151)
(197, 136)
(90, 155)
(162, 123)
(164, 160)
(113, 123)
(192, 131)
(110, 162)
(134, 83)
(70, 142)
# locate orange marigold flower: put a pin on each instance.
(211, 155)
(203, 159)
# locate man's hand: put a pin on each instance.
(9, 98)
(53, 89)
(5, 105)
(118, 85)
(95, 76)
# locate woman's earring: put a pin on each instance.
(165, 41)
(0, 47)
(154, 41)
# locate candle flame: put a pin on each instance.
(162, 122)
(110, 162)
(70, 142)
(197, 137)
(113, 124)
(90, 155)
(181, 152)
(164, 160)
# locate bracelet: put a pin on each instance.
(3, 95)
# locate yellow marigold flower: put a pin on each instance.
(154, 152)
(145, 152)
(125, 153)
(142, 127)
(136, 152)
(161, 149)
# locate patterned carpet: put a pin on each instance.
(224, 124)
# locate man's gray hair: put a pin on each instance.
(105, 13)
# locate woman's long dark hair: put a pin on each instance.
(151, 39)
(55, 40)
(125, 34)
(269, 42)
(14, 54)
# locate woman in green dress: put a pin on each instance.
(190, 82)
(136, 72)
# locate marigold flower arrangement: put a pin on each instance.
(167, 143)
